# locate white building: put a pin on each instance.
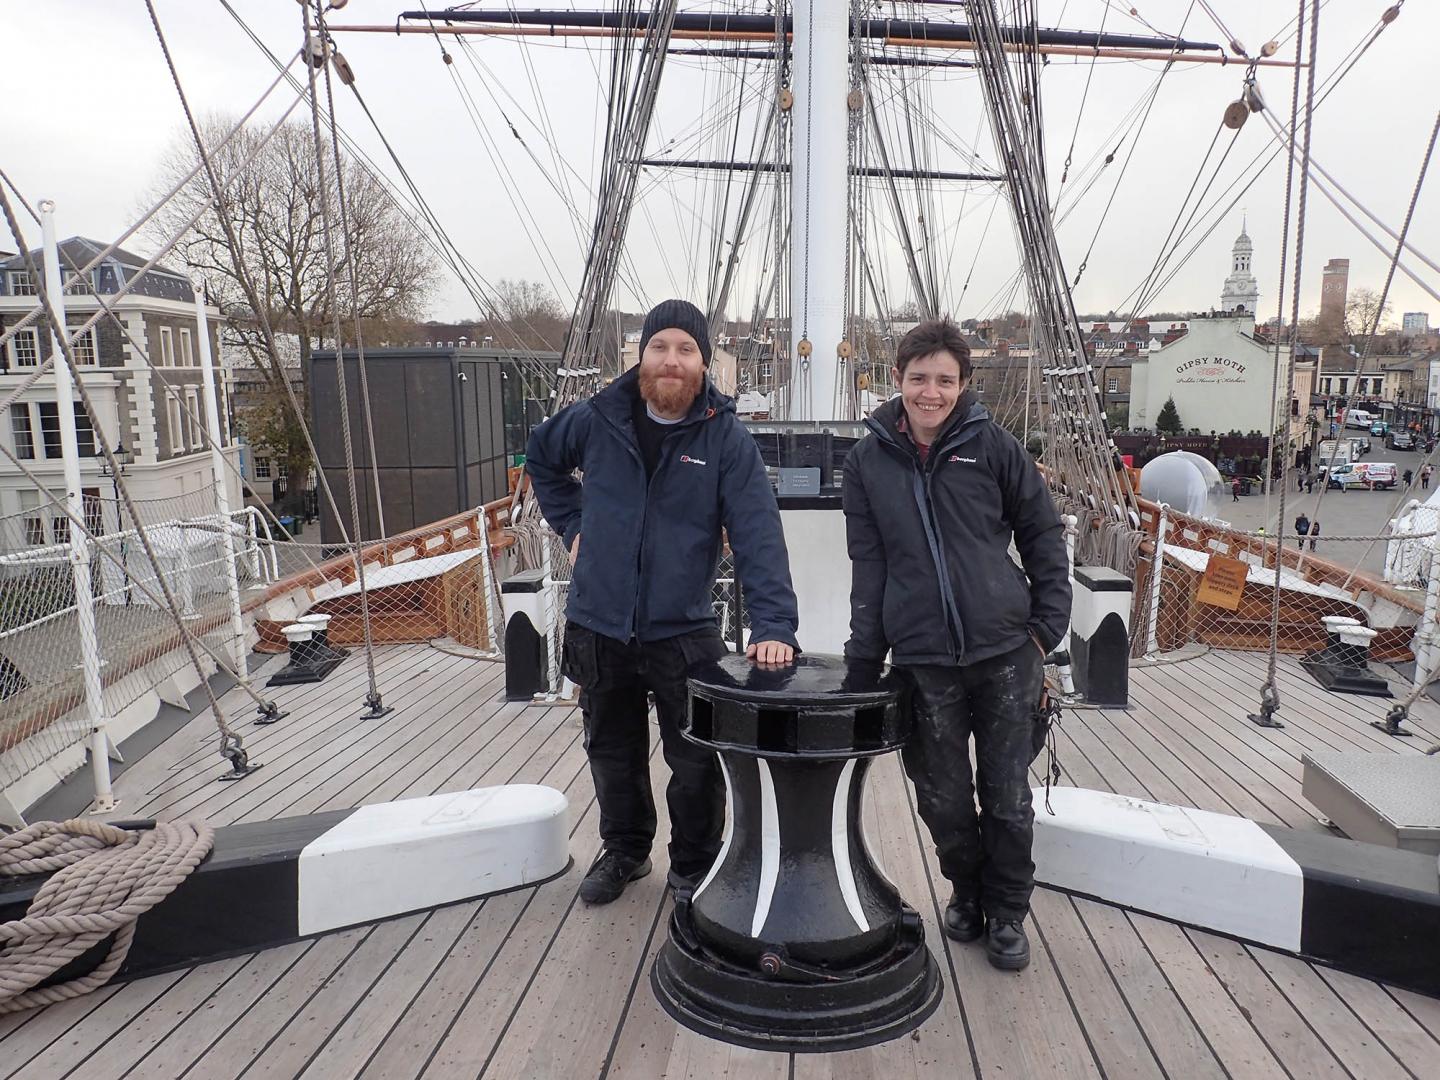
(1219, 373)
(1415, 322)
(134, 410)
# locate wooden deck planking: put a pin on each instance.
(1180, 1047)
(194, 743)
(532, 983)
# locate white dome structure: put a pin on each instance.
(1188, 482)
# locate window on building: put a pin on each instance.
(76, 282)
(1325, 386)
(167, 347)
(50, 430)
(32, 521)
(193, 437)
(186, 358)
(177, 428)
(94, 510)
(200, 423)
(282, 469)
(25, 348)
(1112, 385)
(1344, 386)
(262, 468)
(23, 432)
(84, 348)
(21, 283)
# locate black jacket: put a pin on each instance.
(932, 578)
(649, 551)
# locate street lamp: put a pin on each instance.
(123, 459)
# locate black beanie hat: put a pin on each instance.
(682, 315)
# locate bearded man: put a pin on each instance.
(665, 466)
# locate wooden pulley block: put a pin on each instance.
(803, 347)
(1269, 49)
(315, 52)
(787, 99)
(862, 381)
(855, 99)
(845, 350)
(1236, 113)
(343, 71)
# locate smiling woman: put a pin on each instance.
(932, 369)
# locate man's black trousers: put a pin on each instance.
(614, 677)
(986, 856)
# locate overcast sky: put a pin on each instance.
(90, 109)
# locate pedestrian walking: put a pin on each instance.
(1310, 482)
(1302, 526)
(1235, 490)
(1409, 477)
(1314, 533)
(1425, 474)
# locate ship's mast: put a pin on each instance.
(818, 206)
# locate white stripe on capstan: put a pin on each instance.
(725, 836)
(840, 845)
(390, 858)
(769, 848)
(1205, 869)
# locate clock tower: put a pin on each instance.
(1241, 292)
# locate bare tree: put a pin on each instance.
(275, 204)
(1360, 313)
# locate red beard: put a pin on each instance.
(670, 397)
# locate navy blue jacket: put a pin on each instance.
(932, 577)
(649, 551)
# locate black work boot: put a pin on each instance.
(963, 920)
(609, 876)
(1006, 946)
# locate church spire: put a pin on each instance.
(1241, 291)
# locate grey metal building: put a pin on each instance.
(448, 423)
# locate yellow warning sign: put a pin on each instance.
(1223, 583)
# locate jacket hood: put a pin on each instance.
(617, 399)
(885, 421)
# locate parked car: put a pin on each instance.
(1400, 439)
(1379, 428)
(1359, 446)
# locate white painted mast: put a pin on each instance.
(79, 544)
(819, 171)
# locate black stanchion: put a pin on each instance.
(795, 940)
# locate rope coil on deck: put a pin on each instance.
(104, 879)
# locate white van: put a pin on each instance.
(1333, 452)
(1359, 418)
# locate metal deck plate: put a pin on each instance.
(1391, 799)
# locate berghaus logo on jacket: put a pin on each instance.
(688, 460)
(957, 457)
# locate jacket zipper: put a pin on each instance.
(634, 627)
(942, 577)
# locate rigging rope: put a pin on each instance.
(1269, 692)
(318, 54)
